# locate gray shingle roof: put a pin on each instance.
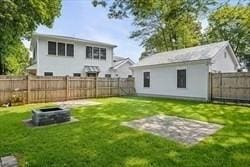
(202, 52)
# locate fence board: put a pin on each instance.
(234, 87)
(47, 89)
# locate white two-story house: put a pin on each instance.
(60, 56)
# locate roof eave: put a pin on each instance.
(173, 63)
(74, 39)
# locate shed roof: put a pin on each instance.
(203, 52)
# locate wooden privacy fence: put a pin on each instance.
(232, 87)
(48, 89)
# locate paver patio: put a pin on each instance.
(182, 130)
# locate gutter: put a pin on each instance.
(174, 63)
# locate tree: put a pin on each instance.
(232, 23)
(161, 25)
(17, 59)
(19, 18)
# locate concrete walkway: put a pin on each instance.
(182, 130)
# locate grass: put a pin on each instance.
(98, 139)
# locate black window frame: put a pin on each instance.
(52, 49)
(130, 76)
(89, 48)
(103, 53)
(96, 56)
(181, 78)
(107, 75)
(59, 50)
(68, 50)
(146, 79)
(48, 74)
(76, 74)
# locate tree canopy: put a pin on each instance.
(232, 23)
(164, 25)
(17, 59)
(19, 18)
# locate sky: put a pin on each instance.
(80, 19)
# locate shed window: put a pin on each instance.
(96, 53)
(89, 52)
(70, 50)
(51, 48)
(146, 79)
(61, 49)
(77, 74)
(181, 78)
(103, 53)
(48, 73)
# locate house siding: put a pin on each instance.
(61, 66)
(163, 81)
(123, 71)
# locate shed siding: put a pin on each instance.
(163, 81)
(220, 63)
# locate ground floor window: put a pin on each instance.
(77, 74)
(92, 74)
(181, 78)
(146, 79)
(107, 75)
(48, 73)
(129, 76)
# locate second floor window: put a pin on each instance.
(61, 49)
(103, 53)
(89, 52)
(96, 53)
(51, 48)
(70, 50)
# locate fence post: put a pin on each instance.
(28, 89)
(220, 86)
(119, 92)
(67, 87)
(96, 87)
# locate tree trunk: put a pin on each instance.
(1, 65)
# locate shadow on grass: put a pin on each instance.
(98, 139)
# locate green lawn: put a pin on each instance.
(98, 139)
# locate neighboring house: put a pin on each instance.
(183, 73)
(121, 67)
(60, 56)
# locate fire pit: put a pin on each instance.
(46, 116)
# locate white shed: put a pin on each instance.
(183, 73)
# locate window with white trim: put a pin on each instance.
(96, 53)
(181, 78)
(51, 48)
(48, 73)
(146, 79)
(70, 50)
(89, 52)
(61, 49)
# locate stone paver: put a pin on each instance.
(8, 161)
(182, 130)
